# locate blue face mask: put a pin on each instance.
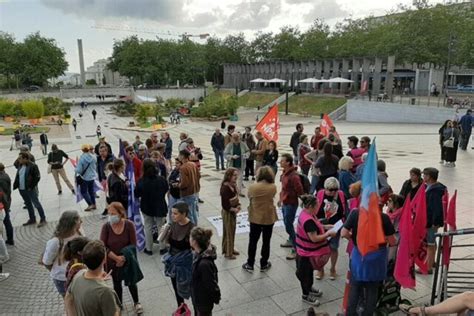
(113, 219)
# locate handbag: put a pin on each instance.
(79, 179)
(49, 169)
(450, 141)
(164, 233)
(183, 310)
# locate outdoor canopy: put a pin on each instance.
(276, 80)
(258, 80)
(339, 80)
(313, 80)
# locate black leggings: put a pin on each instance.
(118, 289)
(249, 168)
(179, 299)
(365, 292)
(304, 273)
(255, 231)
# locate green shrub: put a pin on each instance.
(33, 109)
(7, 107)
(144, 111)
(55, 106)
(216, 105)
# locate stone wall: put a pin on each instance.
(385, 112)
(186, 94)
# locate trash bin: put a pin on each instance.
(413, 100)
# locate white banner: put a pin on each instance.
(242, 225)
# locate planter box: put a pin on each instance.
(9, 119)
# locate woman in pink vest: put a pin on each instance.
(355, 152)
(332, 208)
(312, 248)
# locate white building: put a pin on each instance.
(99, 72)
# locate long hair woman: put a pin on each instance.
(73, 254)
(53, 258)
(117, 184)
(270, 157)
(327, 165)
(450, 143)
(230, 207)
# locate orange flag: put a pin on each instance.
(269, 124)
(326, 124)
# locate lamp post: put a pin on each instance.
(446, 69)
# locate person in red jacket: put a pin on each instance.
(316, 137)
(291, 188)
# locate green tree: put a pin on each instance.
(261, 47)
(42, 59)
(7, 56)
(288, 45)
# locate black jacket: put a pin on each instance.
(270, 159)
(152, 192)
(295, 140)
(118, 190)
(6, 189)
(434, 205)
(44, 139)
(205, 290)
(174, 178)
(101, 165)
(217, 142)
(96, 149)
(408, 190)
(32, 176)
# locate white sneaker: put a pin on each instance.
(441, 161)
(4, 276)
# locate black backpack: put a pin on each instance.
(305, 182)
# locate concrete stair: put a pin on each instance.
(278, 100)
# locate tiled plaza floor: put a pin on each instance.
(276, 292)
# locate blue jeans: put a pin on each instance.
(314, 182)
(87, 191)
(219, 155)
(289, 214)
(171, 201)
(31, 198)
(60, 286)
(192, 202)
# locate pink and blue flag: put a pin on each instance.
(370, 232)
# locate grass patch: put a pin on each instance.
(31, 130)
(253, 100)
(313, 105)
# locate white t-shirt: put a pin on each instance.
(51, 255)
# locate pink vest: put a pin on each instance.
(304, 246)
(320, 197)
(356, 155)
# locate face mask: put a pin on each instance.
(114, 219)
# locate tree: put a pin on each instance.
(7, 56)
(42, 59)
(261, 47)
(288, 44)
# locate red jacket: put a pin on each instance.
(315, 140)
(137, 168)
(291, 187)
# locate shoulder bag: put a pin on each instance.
(450, 141)
(79, 179)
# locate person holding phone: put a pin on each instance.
(236, 153)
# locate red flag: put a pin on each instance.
(450, 224)
(405, 263)
(269, 124)
(363, 87)
(326, 124)
(418, 206)
(451, 216)
(73, 162)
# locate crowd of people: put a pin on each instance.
(317, 176)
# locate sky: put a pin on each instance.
(68, 20)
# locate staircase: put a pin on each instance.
(243, 92)
(339, 113)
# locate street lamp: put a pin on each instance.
(446, 69)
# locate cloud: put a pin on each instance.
(171, 12)
(253, 15)
(323, 9)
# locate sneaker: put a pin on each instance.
(60, 192)
(104, 214)
(332, 275)
(247, 267)
(441, 161)
(319, 274)
(163, 251)
(148, 252)
(266, 267)
(287, 244)
(315, 292)
(29, 222)
(200, 201)
(41, 223)
(138, 309)
(291, 255)
(73, 191)
(4, 276)
(253, 178)
(310, 299)
(10, 242)
(246, 179)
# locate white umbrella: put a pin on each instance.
(312, 80)
(258, 80)
(339, 80)
(276, 80)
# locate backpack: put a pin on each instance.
(305, 182)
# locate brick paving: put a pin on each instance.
(29, 290)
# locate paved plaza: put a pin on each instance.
(29, 289)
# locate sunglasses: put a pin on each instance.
(333, 190)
